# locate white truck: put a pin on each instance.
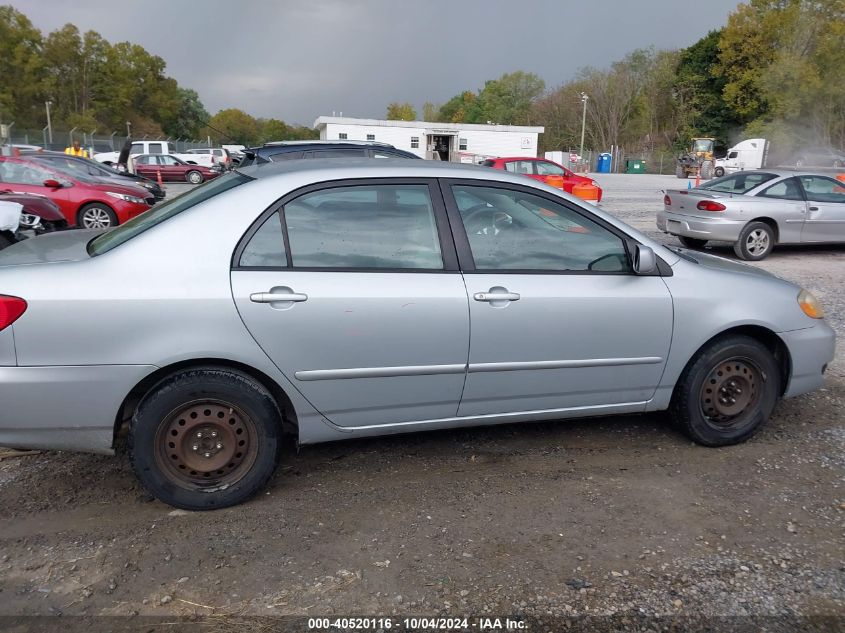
(157, 147)
(749, 154)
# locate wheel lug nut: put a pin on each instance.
(214, 434)
(195, 447)
(207, 454)
(219, 446)
(199, 434)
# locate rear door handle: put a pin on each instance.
(814, 208)
(276, 297)
(496, 296)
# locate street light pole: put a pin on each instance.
(47, 104)
(584, 98)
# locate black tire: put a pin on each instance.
(679, 171)
(194, 177)
(96, 216)
(719, 172)
(238, 425)
(6, 239)
(691, 242)
(755, 242)
(706, 170)
(705, 412)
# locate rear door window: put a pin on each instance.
(740, 182)
(364, 227)
(789, 189)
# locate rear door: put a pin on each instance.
(171, 169)
(558, 320)
(825, 209)
(352, 289)
(784, 203)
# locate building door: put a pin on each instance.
(440, 146)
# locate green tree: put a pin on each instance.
(401, 112)
(462, 108)
(190, 118)
(233, 126)
(431, 112)
(508, 100)
(22, 70)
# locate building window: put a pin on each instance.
(462, 143)
(342, 136)
(371, 137)
(415, 142)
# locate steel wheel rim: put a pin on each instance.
(731, 389)
(96, 218)
(206, 444)
(757, 242)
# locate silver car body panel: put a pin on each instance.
(163, 299)
(797, 221)
(7, 348)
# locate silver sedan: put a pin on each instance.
(756, 210)
(314, 301)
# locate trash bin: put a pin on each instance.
(634, 166)
(603, 163)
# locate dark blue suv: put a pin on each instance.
(289, 150)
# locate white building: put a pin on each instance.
(456, 142)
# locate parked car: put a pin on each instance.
(90, 168)
(291, 150)
(819, 157)
(346, 299)
(38, 215)
(221, 155)
(755, 210)
(137, 148)
(84, 202)
(172, 168)
(543, 170)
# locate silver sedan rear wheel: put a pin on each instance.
(755, 242)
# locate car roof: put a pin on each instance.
(780, 172)
(325, 142)
(343, 168)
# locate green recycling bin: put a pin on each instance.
(635, 166)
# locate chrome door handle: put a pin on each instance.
(496, 296)
(276, 297)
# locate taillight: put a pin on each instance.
(667, 200)
(11, 308)
(709, 205)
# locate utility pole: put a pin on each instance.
(584, 98)
(47, 104)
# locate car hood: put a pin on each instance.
(43, 207)
(62, 246)
(114, 185)
(721, 263)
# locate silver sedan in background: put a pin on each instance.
(755, 210)
(312, 301)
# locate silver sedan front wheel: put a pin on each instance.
(96, 216)
(755, 242)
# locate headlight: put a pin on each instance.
(30, 221)
(810, 305)
(126, 198)
(148, 185)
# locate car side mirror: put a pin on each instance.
(645, 261)
(52, 183)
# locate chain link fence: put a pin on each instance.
(58, 140)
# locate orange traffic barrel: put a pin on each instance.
(841, 177)
(555, 181)
(587, 192)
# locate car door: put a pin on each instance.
(26, 177)
(558, 320)
(784, 202)
(352, 289)
(147, 166)
(825, 209)
(171, 169)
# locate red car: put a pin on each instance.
(86, 203)
(543, 170)
(172, 168)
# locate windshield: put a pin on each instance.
(703, 145)
(740, 182)
(163, 212)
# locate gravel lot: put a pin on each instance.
(607, 517)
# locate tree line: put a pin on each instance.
(93, 84)
(774, 70)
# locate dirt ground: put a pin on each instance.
(594, 517)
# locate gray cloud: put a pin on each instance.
(298, 60)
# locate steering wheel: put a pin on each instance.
(481, 219)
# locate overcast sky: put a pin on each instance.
(298, 60)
